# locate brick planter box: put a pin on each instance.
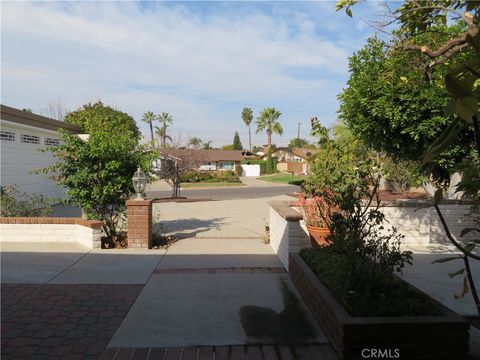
(411, 337)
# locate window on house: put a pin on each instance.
(227, 165)
(51, 142)
(7, 136)
(30, 139)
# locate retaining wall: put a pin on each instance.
(65, 230)
(421, 226)
(286, 232)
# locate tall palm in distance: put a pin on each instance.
(149, 117)
(247, 117)
(161, 133)
(166, 119)
(268, 121)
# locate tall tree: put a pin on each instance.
(391, 106)
(237, 144)
(166, 119)
(95, 117)
(268, 121)
(149, 117)
(195, 142)
(247, 116)
(161, 132)
(299, 143)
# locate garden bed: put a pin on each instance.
(407, 195)
(444, 336)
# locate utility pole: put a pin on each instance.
(298, 132)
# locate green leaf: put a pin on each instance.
(446, 139)
(470, 247)
(466, 107)
(438, 196)
(466, 231)
(465, 289)
(457, 87)
(442, 260)
(458, 272)
(474, 41)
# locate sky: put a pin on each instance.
(202, 62)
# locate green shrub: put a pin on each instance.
(17, 204)
(391, 297)
(97, 172)
(297, 182)
(397, 174)
(210, 176)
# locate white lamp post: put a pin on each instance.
(139, 182)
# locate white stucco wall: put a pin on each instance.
(63, 233)
(422, 227)
(19, 158)
(250, 170)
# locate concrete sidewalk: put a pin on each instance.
(54, 263)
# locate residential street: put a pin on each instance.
(252, 189)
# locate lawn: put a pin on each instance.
(282, 178)
(209, 184)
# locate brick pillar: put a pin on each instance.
(139, 223)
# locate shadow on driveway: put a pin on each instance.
(190, 227)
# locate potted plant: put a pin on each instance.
(317, 212)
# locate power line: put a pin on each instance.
(157, 89)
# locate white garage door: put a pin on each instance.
(20, 155)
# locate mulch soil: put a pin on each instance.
(392, 196)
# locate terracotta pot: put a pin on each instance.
(318, 236)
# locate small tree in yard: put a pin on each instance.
(97, 172)
(175, 163)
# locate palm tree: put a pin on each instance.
(149, 117)
(195, 142)
(268, 120)
(165, 119)
(247, 116)
(161, 133)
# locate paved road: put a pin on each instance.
(241, 192)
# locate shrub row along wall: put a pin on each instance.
(421, 227)
(67, 230)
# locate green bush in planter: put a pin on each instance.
(17, 204)
(359, 266)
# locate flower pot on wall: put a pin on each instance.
(318, 236)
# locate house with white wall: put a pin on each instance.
(293, 159)
(22, 135)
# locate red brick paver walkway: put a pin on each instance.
(238, 352)
(62, 321)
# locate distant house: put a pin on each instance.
(22, 134)
(210, 160)
(293, 160)
(221, 159)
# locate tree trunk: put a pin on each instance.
(269, 138)
(151, 133)
(249, 138)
